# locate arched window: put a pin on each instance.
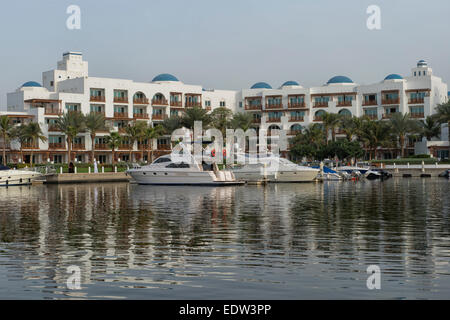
(318, 115)
(345, 112)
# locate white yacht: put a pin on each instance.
(165, 171)
(12, 177)
(273, 169)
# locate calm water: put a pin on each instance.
(285, 241)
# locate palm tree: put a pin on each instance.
(401, 126)
(242, 121)
(34, 132)
(330, 121)
(113, 140)
(375, 134)
(94, 122)
(194, 114)
(430, 128)
(71, 124)
(18, 133)
(443, 116)
(5, 131)
(172, 123)
(149, 134)
(221, 119)
(135, 132)
(351, 127)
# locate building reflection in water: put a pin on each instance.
(130, 236)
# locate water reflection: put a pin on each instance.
(280, 241)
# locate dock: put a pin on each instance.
(417, 171)
(87, 177)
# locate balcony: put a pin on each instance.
(390, 101)
(29, 145)
(371, 116)
(344, 104)
(122, 130)
(56, 145)
(256, 121)
(389, 115)
(253, 107)
(320, 105)
(176, 104)
(317, 119)
(140, 101)
(52, 112)
(293, 132)
(99, 112)
(142, 147)
(274, 106)
(121, 115)
(78, 146)
(193, 104)
(5, 145)
(300, 105)
(121, 99)
(416, 100)
(160, 102)
(370, 103)
(97, 99)
(417, 115)
(159, 116)
(296, 119)
(53, 128)
(163, 147)
(274, 120)
(101, 146)
(125, 146)
(141, 116)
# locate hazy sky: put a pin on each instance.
(225, 44)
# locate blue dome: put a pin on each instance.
(290, 83)
(164, 77)
(422, 63)
(30, 84)
(340, 79)
(261, 85)
(393, 77)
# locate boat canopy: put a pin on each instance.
(3, 168)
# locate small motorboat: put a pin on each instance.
(445, 174)
(13, 177)
(372, 175)
(327, 174)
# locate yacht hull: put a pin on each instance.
(17, 178)
(178, 178)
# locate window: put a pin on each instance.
(178, 165)
(51, 83)
(222, 103)
(240, 104)
(162, 160)
(415, 73)
(72, 107)
(208, 103)
(424, 73)
(419, 73)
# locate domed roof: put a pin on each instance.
(393, 77)
(422, 63)
(31, 84)
(290, 83)
(340, 79)
(261, 85)
(164, 77)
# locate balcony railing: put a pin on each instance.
(53, 128)
(296, 119)
(416, 100)
(258, 120)
(370, 103)
(99, 112)
(274, 119)
(417, 115)
(78, 146)
(101, 146)
(176, 104)
(193, 104)
(320, 105)
(344, 104)
(160, 102)
(120, 114)
(390, 101)
(57, 145)
(163, 147)
(29, 145)
(122, 129)
(125, 146)
(389, 115)
(159, 116)
(140, 101)
(97, 99)
(52, 112)
(274, 106)
(371, 116)
(253, 107)
(293, 132)
(142, 147)
(5, 145)
(296, 105)
(121, 99)
(316, 119)
(141, 116)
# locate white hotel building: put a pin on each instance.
(290, 107)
